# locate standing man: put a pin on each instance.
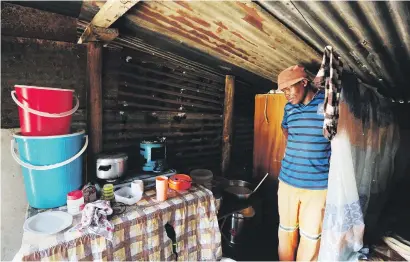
(305, 167)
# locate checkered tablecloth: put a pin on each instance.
(139, 233)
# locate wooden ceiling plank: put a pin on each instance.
(110, 12)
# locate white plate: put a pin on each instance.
(48, 223)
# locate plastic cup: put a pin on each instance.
(161, 183)
(137, 186)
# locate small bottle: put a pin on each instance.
(75, 202)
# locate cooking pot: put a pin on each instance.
(111, 166)
(179, 182)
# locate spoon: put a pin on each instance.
(260, 183)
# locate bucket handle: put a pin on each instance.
(42, 168)
(45, 114)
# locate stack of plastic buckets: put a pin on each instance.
(50, 156)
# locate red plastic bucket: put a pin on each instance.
(44, 111)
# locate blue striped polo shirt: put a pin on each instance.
(306, 161)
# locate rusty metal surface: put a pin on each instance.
(241, 33)
(372, 36)
(162, 94)
(163, 86)
(159, 45)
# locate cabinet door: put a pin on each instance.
(269, 141)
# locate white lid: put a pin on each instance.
(111, 158)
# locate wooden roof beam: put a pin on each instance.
(106, 16)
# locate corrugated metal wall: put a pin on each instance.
(155, 97)
(146, 96)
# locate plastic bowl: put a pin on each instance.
(126, 196)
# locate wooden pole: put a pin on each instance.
(227, 123)
(94, 94)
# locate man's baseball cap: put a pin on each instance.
(291, 76)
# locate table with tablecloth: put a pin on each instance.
(139, 233)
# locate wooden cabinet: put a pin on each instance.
(269, 141)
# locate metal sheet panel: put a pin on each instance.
(241, 33)
(372, 36)
(147, 97)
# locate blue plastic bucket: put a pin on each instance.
(51, 165)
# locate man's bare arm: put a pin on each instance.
(285, 132)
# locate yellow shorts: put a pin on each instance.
(300, 211)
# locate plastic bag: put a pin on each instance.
(361, 169)
(343, 225)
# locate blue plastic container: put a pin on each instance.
(51, 165)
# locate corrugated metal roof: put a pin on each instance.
(184, 57)
(241, 33)
(372, 36)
